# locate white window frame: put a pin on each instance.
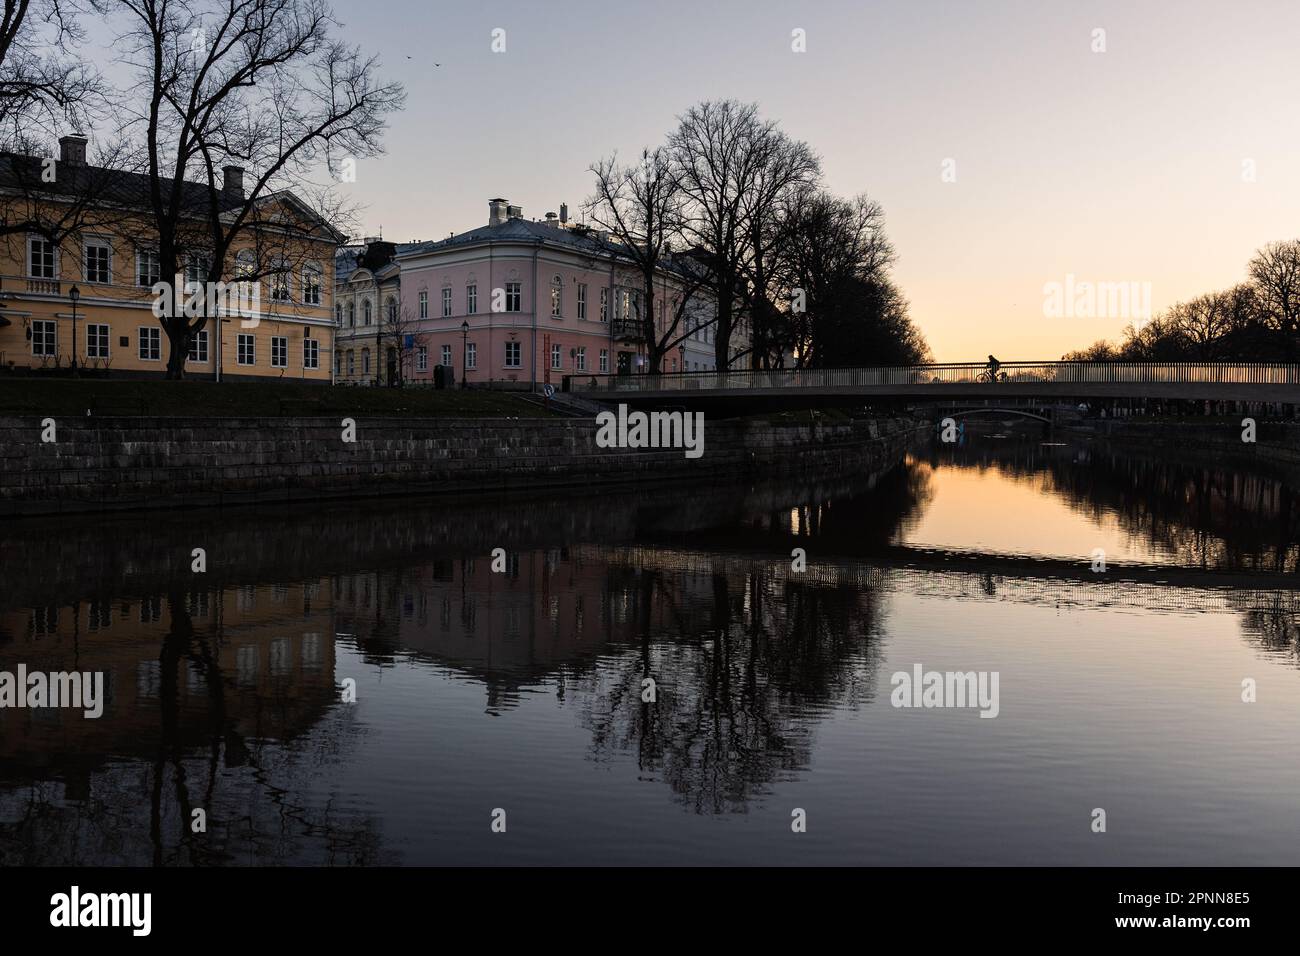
(518, 351)
(471, 355)
(141, 257)
(149, 343)
(311, 353)
(557, 298)
(471, 299)
(514, 292)
(97, 242)
(582, 300)
(446, 355)
(580, 360)
(198, 348)
(45, 333)
(97, 349)
(53, 252)
(279, 351)
(446, 302)
(246, 341)
(313, 282)
(422, 358)
(604, 361)
(424, 303)
(604, 304)
(557, 357)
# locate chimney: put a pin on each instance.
(233, 183)
(515, 212)
(551, 220)
(496, 211)
(564, 212)
(72, 150)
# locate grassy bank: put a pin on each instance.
(66, 396)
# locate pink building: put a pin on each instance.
(534, 301)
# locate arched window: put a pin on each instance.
(365, 312)
(365, 361)
(391, 307)
(557, 297)
(352, 315)
(338, 314)
(352, 363)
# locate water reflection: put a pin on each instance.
(224, 687)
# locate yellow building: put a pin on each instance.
(100, 278)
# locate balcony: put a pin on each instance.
(45, 286)
(628, 329)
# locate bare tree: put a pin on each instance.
(641, 207)
(260, 85)
(716, 149)
(1275, 272)
(398, 335)
(42, 81)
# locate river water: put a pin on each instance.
(518, 695)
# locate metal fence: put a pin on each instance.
(1061, 373)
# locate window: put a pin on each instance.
(391, 306)
(40, 258)
(424, 303)
(604, 305)
(446, 355)
(365, 361)
(512, 296)
(352, 363)
(582, 300)
(311, 284)
(279, 351)
(580, 362)
(471, 355)
(352, 315)
(150, 344)
(557, 357)
(199, 346)
(512, 355)
(43, 337)
(446, 304)
(280, 286)
(147, 268)
(604, 360)
(99, 257)
(196, 267)
(422, 358)
(338, 314)
(311, 353)
(96, 341)
(557, 298)
(471, 299)
(365, 312)
(247, 350)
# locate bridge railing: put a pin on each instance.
(1062, 373)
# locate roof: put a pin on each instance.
(585, 241)
(121, 187)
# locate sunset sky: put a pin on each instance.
(1119, 166)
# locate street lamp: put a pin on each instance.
(464, 353)
(74, 294)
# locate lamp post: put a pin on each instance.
(74, 294)
(464, 353)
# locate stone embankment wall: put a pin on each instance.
(117, 463)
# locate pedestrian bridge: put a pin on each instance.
(970, 380)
